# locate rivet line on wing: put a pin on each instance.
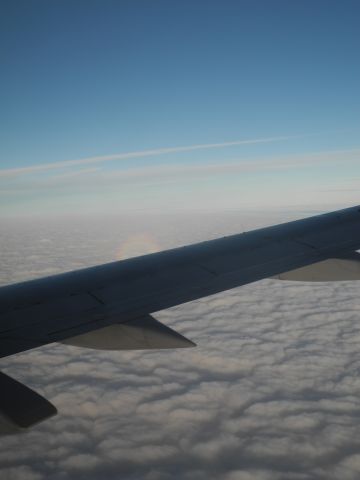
(207, 269)
(96, 298)
(306, 244)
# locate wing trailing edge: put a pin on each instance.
(139, 334)
(344, 268)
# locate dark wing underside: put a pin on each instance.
(68, 305)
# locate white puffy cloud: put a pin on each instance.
(270, 393)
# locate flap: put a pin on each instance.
(20, 406)
(142, 333)
(344, 268)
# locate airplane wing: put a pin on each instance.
(110, 306)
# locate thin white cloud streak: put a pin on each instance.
(139, 154)
(95, 177)
(239, 166)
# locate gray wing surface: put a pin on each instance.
(63, 306)
(110, 306)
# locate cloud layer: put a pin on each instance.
(270, 393)
(268, 181)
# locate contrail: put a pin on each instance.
(139, 154)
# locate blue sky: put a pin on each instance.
(83, 79)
